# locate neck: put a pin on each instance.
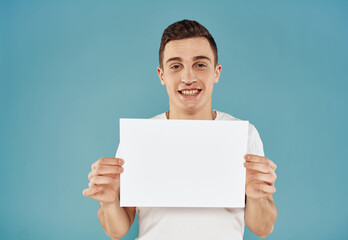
(202, 115)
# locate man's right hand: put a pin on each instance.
(104, 180)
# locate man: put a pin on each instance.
(189, 69)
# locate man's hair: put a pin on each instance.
(182, 30)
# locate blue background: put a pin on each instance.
(70, 69)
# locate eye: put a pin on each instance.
(201, 65)
(176, 66)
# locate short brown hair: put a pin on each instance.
(186, 29)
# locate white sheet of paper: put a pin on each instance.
(182, 163)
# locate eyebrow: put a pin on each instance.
(174, 59)
(201, 57)
(194, 59)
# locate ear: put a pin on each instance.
(160, 75)
(217, 73)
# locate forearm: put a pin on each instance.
(114, 220)
(260, 215)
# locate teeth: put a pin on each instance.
(189, 92)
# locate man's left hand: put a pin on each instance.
(260, 176)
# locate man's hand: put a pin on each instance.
(260, 211)
(104, 186)
(260, 176)
(104, 180)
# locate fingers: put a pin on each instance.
(261, 177)
(91, 191)
(105, 170)
(256, 189)
(260, 159)
(265, 188)
(102, 180)
(108, 161)
(260, 167)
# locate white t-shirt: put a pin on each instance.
(196, 223)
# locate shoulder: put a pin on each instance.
(160, 116)
(225, 116)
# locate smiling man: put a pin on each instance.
(189, 69)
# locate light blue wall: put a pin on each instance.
(70, 69)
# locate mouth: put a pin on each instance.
(190, 92)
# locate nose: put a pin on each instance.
(188, 76)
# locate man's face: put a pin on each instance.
(189, 74)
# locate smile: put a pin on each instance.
(190, 92)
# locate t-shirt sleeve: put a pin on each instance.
(255, 145)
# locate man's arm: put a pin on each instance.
(260, 215)
(260, 210)
(115, 220)
(104, 187)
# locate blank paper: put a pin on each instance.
(183, 163)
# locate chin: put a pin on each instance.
(191, 108)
